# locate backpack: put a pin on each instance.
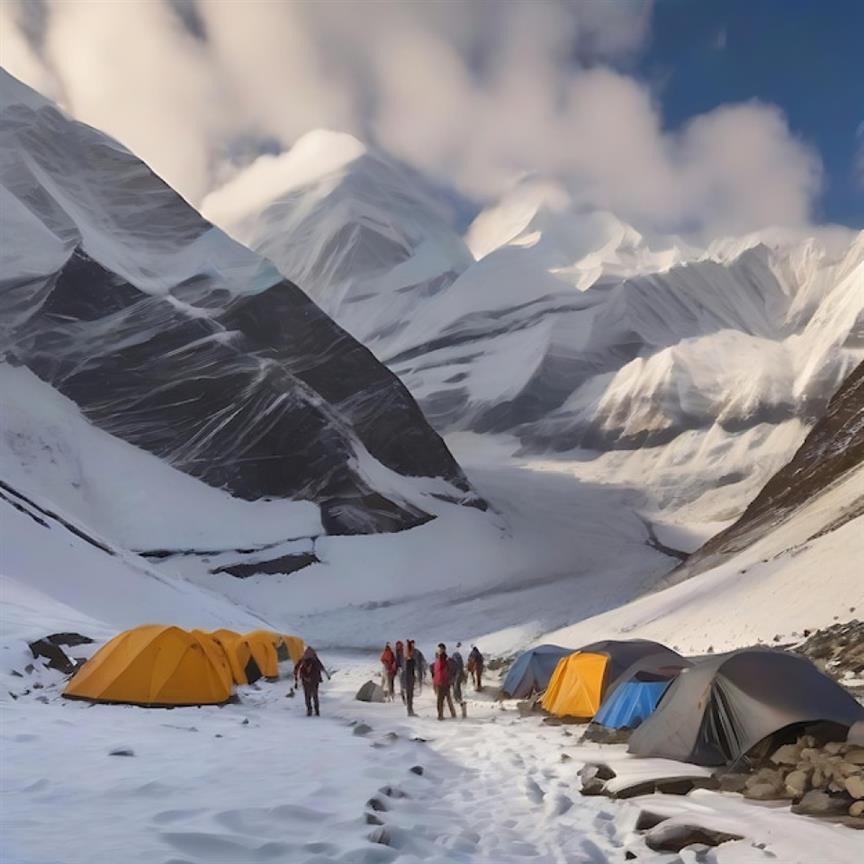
(307, 669)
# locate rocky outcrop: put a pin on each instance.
(834, 446)
(174, 338)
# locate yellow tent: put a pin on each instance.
(576, 687)
(217, 654)
(153, 666)
(239, 653)
(295, 646)
(262, 644)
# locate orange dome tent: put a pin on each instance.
(262, 643)
(244, 667)
(153, 666)
(295, 646)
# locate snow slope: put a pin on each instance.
(170, 335)
(803, 574)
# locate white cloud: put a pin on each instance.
(473, 93)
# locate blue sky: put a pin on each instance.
(663, 112)
(805, 56)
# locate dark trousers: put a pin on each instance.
(390, 679)
(478, 678)
(409, 697)
(457, 689)
(310, 693)
(442, 694)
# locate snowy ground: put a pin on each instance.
(205, 785)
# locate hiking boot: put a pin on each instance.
(308, 712)
(317, 713)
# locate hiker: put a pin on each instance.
(457, 673)
(308, 670)
(420, 668)
(409, 676)
(388, 664)
(475, 667)
(400, 668)
(441, 681)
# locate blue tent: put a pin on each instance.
(531, 671)
(630, 704)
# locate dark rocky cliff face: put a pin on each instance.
(174, 338)
(834, 446)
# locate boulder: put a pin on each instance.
(593, 786)
(857, 809)
(788, 754)
(732, 782)
(416, 769)
(648, 820)
(674, 836)
(798, 782)
(54, 654)
(819, 803)
(362, 729)
(855, 786)
(371, 692)
(855, 755)
(600, 770)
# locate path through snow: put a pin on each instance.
(205, 785)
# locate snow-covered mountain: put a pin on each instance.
(365, 236)
(665, 364)
(168, 334)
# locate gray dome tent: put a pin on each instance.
(718, 710)
(531, 671)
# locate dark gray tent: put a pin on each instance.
(531, 671)
(371, 692)
(623, 653)
(718, 710)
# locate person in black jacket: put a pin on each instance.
(308, 670)
(475, 667)
(410, 675)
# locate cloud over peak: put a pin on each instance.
(472, 93)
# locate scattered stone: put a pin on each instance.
(372, 819)
(855, 755)
(767, 784)
(798, 782)
(54, 654)
(646, 787)
(856, 809)
(121, 751)
(593, 786)
(855, 786)
(600, 770)
(381, 836)
(69, 639)
(218, 735)
(788, 754)
(629, 856)
(42, 699)
(733, 782)
(362, 729)
(38, 685)
(377, 805)
(566, 757)
(673, 837)
(834, 748)
(416, 769)
(648, 820)
(419, 740)
(29, 668)
(290, 694)
(16, 673)
(819, 803)
(245, 721)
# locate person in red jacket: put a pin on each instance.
(308, 671)
(441, 681)
(388, 663)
